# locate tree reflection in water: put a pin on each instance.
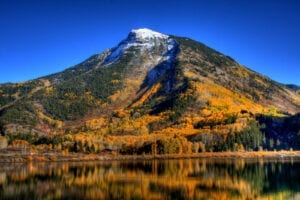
(169, 179)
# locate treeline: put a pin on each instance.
(252, 138)
(281, 133)
(271, 135)
(160, 145)
(228, 119)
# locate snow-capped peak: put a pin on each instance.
(145, 33)
(144, 39)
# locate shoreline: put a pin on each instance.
(79, 157)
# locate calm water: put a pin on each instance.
(171, 179)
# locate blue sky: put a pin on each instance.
(39, 37)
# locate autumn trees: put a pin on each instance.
(255, 135)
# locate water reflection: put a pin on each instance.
(170, 179)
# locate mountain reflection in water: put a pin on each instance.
(169, 179)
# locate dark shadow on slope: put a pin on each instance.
(264, 132)
(281, 132)
(166, 66)
(164, 72)
(171, 101)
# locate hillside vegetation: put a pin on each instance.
(176, 96)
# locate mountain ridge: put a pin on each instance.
(150, 83)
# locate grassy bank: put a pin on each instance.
(59, 157)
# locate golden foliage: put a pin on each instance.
(95, 123)
(220, 98)
(147, 94)
(115, 96)
(115, 81)
(20, 143)
(49, 90)
(54, 123)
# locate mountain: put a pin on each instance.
(149, 84)
(294, 87)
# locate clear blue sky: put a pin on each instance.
(39, 37)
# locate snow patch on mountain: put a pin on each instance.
(167, 62)
(161, 51)
(143, 38)
(146, 34)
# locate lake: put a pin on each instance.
(158, 179)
